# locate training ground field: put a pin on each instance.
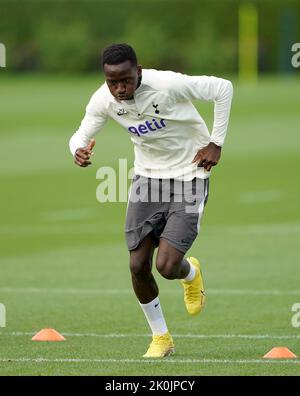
(63, 258)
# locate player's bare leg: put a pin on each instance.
(171, 265)
(146, 290)
(143, 282)
(170, 262)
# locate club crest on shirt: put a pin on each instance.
(121, 112)
(156, 108)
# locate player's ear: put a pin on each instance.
(139, 70)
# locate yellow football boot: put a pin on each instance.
(194, 296)
(161, 346)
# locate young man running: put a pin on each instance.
(174, 154)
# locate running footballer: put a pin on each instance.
(174, 155)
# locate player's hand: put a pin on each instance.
(82, 154)
(208, 156)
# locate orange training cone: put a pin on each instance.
(280, 353)
(48, 335)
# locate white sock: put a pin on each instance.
(191, 275)
(155, 317)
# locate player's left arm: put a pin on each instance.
(220, 91)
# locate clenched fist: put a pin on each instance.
(82, 154)
(208, 156)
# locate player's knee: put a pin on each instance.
(140, 266)
(167, 267)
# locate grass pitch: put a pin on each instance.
(64, 262)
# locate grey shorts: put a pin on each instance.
(165, 208)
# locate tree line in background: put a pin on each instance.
(196, 36)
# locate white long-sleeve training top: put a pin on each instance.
(164, 126)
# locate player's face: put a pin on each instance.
(122, 80)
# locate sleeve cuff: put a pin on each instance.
(217, 143)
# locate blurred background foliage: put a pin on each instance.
(197, 36)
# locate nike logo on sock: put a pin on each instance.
(156, 305)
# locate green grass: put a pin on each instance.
(63, 258)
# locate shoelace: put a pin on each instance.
(193, 292)
(159, 339)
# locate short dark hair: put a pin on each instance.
(118, 53)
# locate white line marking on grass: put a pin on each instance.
(254, 197)
(195, 336)
(63, 291)
(277, 229)
(69, 214)
(223, 292)
(254, 292)
(150, 361)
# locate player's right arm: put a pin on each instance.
(82, 142)
(82, 154)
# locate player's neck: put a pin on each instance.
(138, 84)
